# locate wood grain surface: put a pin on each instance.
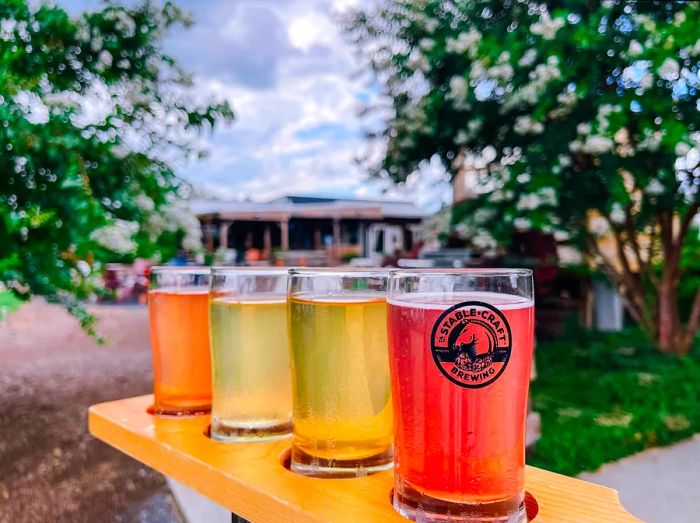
(250, 480)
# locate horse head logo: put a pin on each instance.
(468, 349)
(469, 359)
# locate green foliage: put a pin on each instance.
(576, 118)
(349, 256)
(91, 109)
(602, 397)
(8, 303)
(690, 267)
(550, 103)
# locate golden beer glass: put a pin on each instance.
(250, 354)
(340, 373)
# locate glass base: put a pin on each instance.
(222, 431)
(307, 465)
(415, 506)
(179, 411)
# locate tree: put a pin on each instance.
(577, 117)
(93, 116)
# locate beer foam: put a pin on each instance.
(339, 299)
(196, 290)
(250, 300)
(445, 300)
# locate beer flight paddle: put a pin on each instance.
(426, 370)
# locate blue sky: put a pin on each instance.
(292, 80)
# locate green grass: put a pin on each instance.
(602, 397)
(8, 303)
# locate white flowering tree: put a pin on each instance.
(580, 118)
(92, 116)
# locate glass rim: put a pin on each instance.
(485, 272)
(249, 271)
(191, 269)
(349, 272)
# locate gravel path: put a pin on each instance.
(51, 469)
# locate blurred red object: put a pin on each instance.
(128, 283)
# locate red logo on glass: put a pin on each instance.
(471, 344)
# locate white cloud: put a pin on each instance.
(303, 134)
(311, 28)
(290, 75)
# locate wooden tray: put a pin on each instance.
(250, 480)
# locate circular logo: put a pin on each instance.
(471, 344)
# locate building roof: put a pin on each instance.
(306, 207)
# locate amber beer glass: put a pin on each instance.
(460, 347)
(178, 310)
(340, 372)
(250, 355)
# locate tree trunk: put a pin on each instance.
(669, 329)
(691, 329)
(668, 320)
(665, 326)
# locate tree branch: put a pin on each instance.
(672, 245)
(644, 266)
(685, 225)
(652, 243)
(693, 322)
(666, 222)
(633, 285)
(619, 280)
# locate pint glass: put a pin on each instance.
(178, 310)
(460, 345)
(340, 372)
(252, 397)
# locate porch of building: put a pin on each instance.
(273, 238)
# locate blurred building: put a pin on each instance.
(329, 228)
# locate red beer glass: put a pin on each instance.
(460, 346)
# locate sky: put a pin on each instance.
(296, 87)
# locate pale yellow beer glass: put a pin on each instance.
(251, 390)
(340, 372)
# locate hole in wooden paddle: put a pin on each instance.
(531, 506)
(286, 458)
